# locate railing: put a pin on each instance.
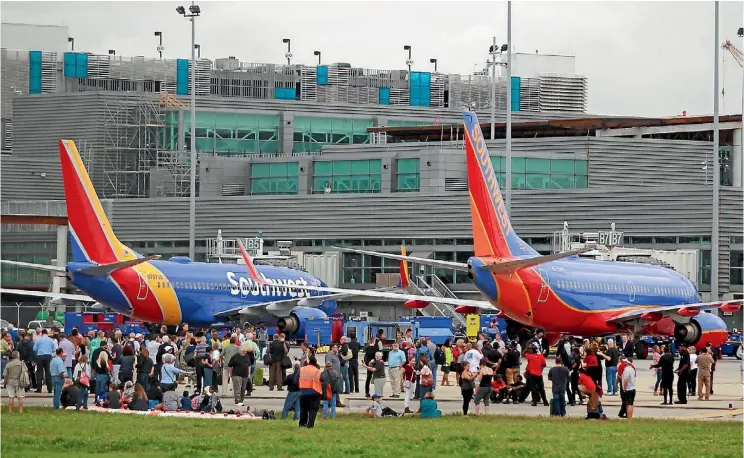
(443, 309)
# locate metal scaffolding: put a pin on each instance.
(131, 141)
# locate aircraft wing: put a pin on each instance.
(34, 266)
(398, 296)
(282, 308)
(427, 262)
(72, 297)
(728, 306)
(511, 266)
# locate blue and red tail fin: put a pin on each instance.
(404, 278)
(252, 271)
(493, 234)
(91, 236)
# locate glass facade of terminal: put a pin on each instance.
(311, 133)
(539, 173)
(277, 178)
(360, 176)
(226, 134)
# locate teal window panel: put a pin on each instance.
(82, 65)
(341, 167)
(562, 181)
(537, 165)
(384, 96)
(322, 71)
(260, 170)
(375, 166)
(409, 165)
(517, 164)
(516, 86)
(285, 93)
(182, 77)
(70, 65)
(562, 166)
(278, 169)
(360, 167)
(582, 181)
(323, 168)
(538, 181)
(34, 72)
(582, 167)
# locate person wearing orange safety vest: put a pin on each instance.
(311, 391)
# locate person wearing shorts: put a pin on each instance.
(484, 389)
(12, 376)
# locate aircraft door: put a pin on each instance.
(143, 288)
(631, 291)
(544, 286)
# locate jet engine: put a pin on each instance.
(703, 328)
(294, 324)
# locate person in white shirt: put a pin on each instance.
(628, 380)
(692, 378)
(474, 357)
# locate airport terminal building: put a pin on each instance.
(337, 155)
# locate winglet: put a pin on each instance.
(252, 271)
(404, 281)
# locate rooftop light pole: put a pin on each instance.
(434, 61)
(289, 50)
(409, 62)
(160, 46)
(317, 53)
(194, 12)
(508, 109)
(714, 242)
(740, 172)
(71, 40)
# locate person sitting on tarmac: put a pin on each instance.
(594, 404)
(429, 407)
(70, 394)
(500, 389)
(375, 409)
(517, 391)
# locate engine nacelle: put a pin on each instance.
(294, 324)
(416, 304)
(702, 329)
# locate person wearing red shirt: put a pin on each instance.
(499, 389)
(593, 405)
(535, 364)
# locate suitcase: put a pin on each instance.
(258, 379)
(553, 408)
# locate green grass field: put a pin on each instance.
(42, 432)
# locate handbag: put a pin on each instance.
(427, 380)
(286, 362)
(25, 381)
(83, 379)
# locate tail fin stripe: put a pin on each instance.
(85, 213)
(487, 203)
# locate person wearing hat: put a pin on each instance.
(374, 409)
(628, 384)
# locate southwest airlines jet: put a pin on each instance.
(562, 292)
(178, 290)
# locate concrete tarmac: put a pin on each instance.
(726, 404)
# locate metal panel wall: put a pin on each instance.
(637, 211)
(646, 162)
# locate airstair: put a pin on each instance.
(436, 287)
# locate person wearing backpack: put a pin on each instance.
(81, 376)
(330, 378)
(16, 376)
